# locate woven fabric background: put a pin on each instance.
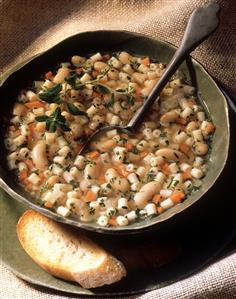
(28, 27)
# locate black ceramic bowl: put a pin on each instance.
(85, 43)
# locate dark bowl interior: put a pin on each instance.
(22, 75)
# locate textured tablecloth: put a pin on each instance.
(28, 27)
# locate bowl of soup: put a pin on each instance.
(122, 183)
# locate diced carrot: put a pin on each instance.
(120, 169)
(93, 155)
(160, 210)
(145, 61)
(165, 168)
(23, 175)
(177, 197)
(48, 75)
(101, 179)
(90, 196)
(185, 148)
(129, 146)
(35, 104)
(157, 198)
(143, 154)
(29, 163)
(112, 221)
(186, 175)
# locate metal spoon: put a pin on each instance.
(202, 23)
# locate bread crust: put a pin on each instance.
(51, 244)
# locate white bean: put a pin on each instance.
(146, 193)
(38, 155)
(169, 117)
(171, 154)
(118, 183)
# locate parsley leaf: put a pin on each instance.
(102, 89)
(130, 100)
(75, 110)
(111, 101)
(51, 95)
(54, 121)
(74, 83)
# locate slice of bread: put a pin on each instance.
(66, 253)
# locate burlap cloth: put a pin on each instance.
(28, 27)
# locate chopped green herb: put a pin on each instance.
(102, 89)
(54, 121)
(131, 100)
(91, 210)
(135, 151)
(111, 101)
(150, 176)
(163, 134)
(51, 95)
(75, 110)
(71, 80)
(134, 64)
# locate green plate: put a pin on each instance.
(112, 41)
(209, 224)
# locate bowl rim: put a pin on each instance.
(121, 229)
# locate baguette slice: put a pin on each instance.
(65, 253)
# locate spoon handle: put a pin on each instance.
(203, 22)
